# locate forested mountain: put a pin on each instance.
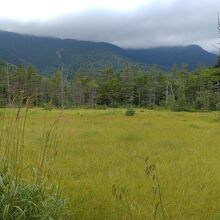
(47, 54)
(192, 55)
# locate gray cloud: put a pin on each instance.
(179, 22)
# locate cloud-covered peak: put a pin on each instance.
(141, 25)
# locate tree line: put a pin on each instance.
(177, 89)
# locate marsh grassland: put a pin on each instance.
(101, 160)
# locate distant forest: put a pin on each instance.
(176, 89)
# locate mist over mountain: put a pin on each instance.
(48, 54)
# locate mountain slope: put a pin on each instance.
(47, 54)
(192, 55)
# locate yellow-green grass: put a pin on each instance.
(102, 148)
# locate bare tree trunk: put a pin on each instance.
(154, 93)
(167, 93)
(8, 85)
(171, 89)
(139, 97)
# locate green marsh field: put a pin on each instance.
(102, 161)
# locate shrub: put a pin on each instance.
(20, 200)
(130, 112)
(101, 107)
(48, 106)
(207, 100)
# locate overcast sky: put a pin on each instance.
(126, 23)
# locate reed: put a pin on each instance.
(37, 198)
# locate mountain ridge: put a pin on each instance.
(49, 53)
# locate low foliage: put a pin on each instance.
(20, 200)
(130, 112)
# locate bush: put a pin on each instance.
(101, 107)
(48, 106)
(207, 100)
(130, 112)
(21, 200)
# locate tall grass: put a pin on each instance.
(120, 194)
(151, 171)
(102, 148)
(36, 198)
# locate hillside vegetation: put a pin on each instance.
(47, 54)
